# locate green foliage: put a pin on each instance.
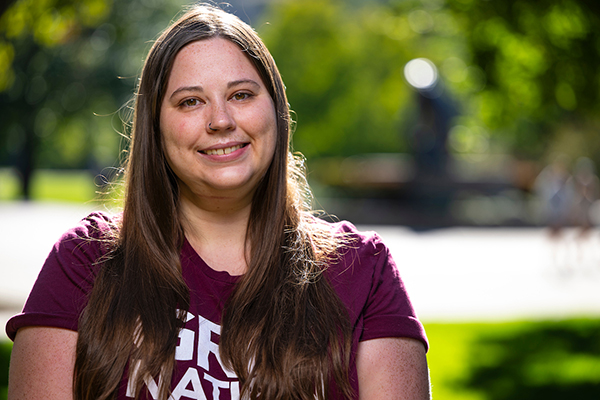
(343, 67)
(76, 64)
(539, 61)
(344, 80)
(522, 71)
(52, 22)
(7, 54)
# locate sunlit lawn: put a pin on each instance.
(449, 356)
(545, 360)
(76, 186)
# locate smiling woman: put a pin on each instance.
(216, 282)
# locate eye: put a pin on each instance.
(190, 102)
(241, 96)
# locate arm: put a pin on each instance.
(41, 364)
(392, 368)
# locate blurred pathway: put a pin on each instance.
(478, 274)
(459, 274)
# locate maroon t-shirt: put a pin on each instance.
(365, 278)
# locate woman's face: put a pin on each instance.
(217, 121)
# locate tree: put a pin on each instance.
(523, 72)
(344, 81)
(75, 68)
(539, 61)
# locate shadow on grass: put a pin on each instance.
(546, 360)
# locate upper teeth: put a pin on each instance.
(220, 152)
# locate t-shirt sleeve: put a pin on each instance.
(388, 311)
(60, 292)
(369, 284)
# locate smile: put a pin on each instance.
(220, 152)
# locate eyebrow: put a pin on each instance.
(199, 88)
(241, 82)
(186, 89)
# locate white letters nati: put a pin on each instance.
(199, 381)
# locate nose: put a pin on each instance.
(220, 118)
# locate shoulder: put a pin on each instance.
(343, 227)
(93, 233)
(97, 225)
(350, 238)
(88, 240)
(82, 247)
(359, 255)
(367, 238)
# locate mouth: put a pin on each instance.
(223, 151)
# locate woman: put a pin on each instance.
(215, 282)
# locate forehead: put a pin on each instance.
(215, 58)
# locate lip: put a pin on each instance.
(224, 151)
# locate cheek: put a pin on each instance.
(172, 143)
(273, 142)
(269, 139)
(274, 135)
(269, 128)
(174, 133)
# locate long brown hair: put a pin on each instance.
(285, 332)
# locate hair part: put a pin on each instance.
(285, 331)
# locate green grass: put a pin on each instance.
(515, 360)
(450, 352)
(74, 186)
(71, 186)
(9, 184)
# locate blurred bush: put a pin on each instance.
(549, 360)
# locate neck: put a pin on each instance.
(218, 233)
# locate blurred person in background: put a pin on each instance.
(587, 193)
(216, 281)
(556, 193)
(568, 199)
